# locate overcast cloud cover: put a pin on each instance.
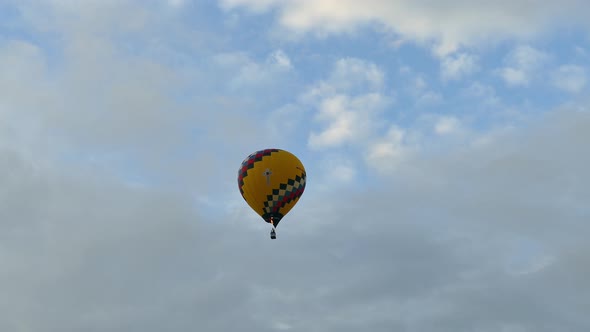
(446, 145)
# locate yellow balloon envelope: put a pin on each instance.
(271, 181)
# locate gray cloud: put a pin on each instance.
(479, 239)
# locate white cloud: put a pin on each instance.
(335, 171)
(348, 120)
(428, 98)
(457, 66)
(485, 93)
(448, 25)
(523, 65)
(280, 59)
(347, 103)
(514, 76)
(232, 59)
(570, 78)
(249, 73)
(526, 57)
(350, 74)
(446, 125)
(420, 83)
(388, 152)
(418, 88)
(343, 173)
(341, 123)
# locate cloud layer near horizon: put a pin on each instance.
(464, 241)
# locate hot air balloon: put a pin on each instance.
(271, 181)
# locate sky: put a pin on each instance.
(445, 144)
